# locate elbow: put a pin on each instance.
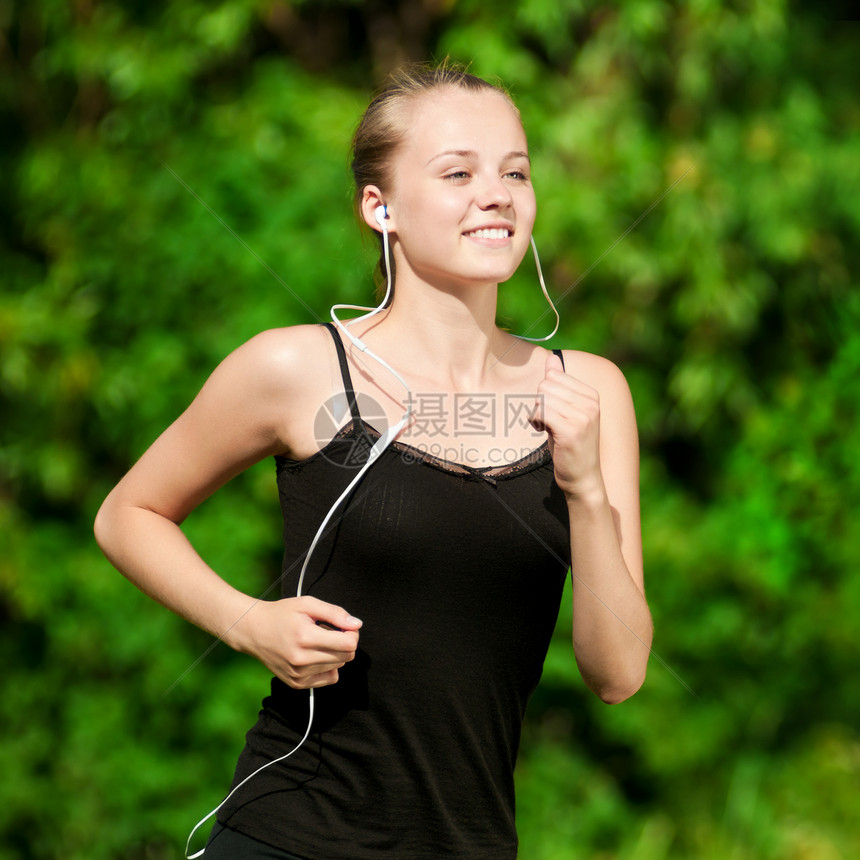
(100, 527)
(615, 690)
(615, 680)
(616, 694)
(102, 524)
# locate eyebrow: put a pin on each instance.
(470, 153)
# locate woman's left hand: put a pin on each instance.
(569, 411)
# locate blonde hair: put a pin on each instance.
(384, 125)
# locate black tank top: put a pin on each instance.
(457, 574)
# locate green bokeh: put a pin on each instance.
(175, 180)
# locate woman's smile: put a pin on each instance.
(494, 236)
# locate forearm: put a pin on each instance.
(154, 554)
(612, 627)
(284, 635)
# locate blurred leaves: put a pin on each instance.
(176, 179)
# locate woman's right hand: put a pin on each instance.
(301, 640)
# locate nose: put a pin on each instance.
(494, 193)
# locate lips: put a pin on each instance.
(489, 233)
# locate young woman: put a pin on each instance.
(429, 597)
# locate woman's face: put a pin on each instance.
(461, 206)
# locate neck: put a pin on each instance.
(447, 336)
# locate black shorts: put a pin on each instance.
(226, 844)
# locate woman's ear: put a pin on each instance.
(374, 210)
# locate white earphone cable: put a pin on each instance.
(246, 779)
(546, 296)
(376, 450)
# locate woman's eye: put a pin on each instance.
(457, 174)
(519, 175)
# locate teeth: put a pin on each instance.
(495, 233)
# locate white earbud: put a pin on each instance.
(381, 214)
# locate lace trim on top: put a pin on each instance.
(356, 429)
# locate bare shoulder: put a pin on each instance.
(270, 384)
(280, 356)
(600, 373)
(276, 366)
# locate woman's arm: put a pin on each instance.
(250, 408)
(594, 443)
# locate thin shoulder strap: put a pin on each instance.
(559, 354)
(344, 371)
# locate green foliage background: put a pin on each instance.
(175, 179)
